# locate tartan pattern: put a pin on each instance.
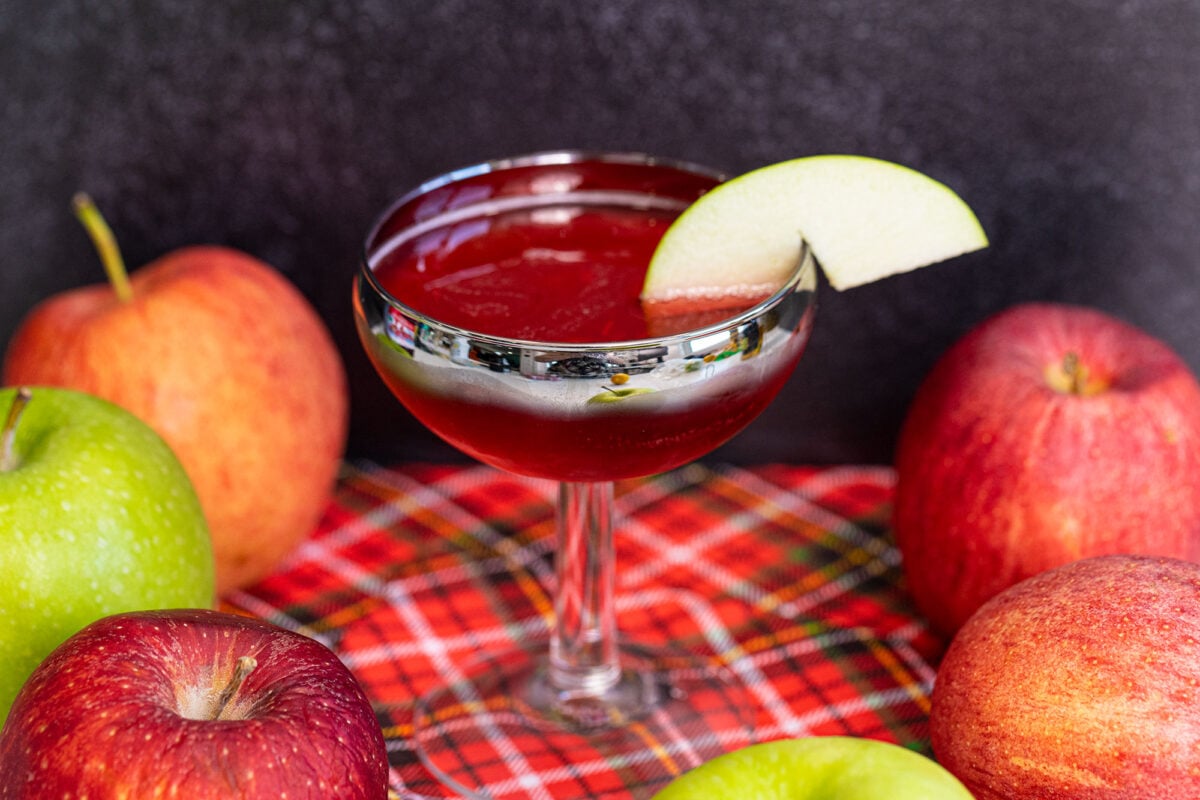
(785, 573)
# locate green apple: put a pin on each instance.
(818, 768)
(864, 219)
(96, 517)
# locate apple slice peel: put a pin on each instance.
(865, 219)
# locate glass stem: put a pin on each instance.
(583, 648)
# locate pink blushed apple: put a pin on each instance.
(1080, 683)
(1046, 434)
(191, 703)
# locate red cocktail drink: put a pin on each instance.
(500, 305)
(556, 255)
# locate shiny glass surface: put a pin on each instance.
(584, 414)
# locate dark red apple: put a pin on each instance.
(1047, 434)
(191, 703)
(1080, 683)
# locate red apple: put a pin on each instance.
(1047, 434)
(1080, 683)
(228, 362)
(191, 703)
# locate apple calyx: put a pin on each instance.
(245, 665)
(106, 245)
(8, 435)
(1071, 376)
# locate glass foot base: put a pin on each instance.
(506, 733)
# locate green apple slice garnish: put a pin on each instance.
(864, 219)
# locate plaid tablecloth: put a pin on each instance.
(789, 570)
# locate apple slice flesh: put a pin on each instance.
(864, 218)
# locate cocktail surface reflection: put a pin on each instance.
(499, 304)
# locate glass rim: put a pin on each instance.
(805, 260)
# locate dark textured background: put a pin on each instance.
(283, 128)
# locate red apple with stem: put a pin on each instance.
(1080, 683)
(1046, 434)
(192, 703)
(228, 362)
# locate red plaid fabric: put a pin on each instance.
(785, 573)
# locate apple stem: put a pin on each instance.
(245, 665)
(8, 454)
(1075, 372)
(106, 245)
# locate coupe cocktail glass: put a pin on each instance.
(583, 413)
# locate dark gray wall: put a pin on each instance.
(283, 128)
